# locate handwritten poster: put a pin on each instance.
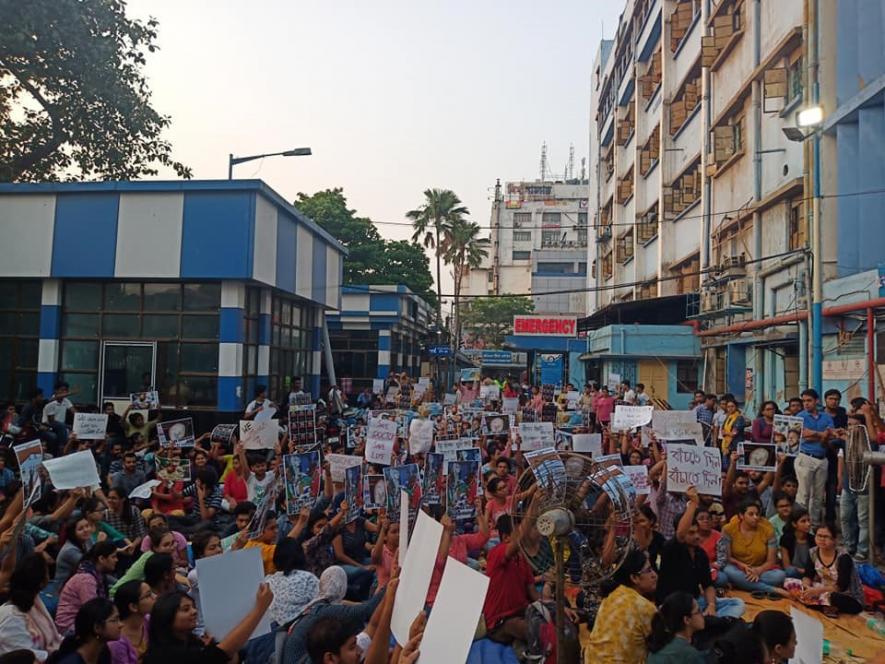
(379, 440)
(339, 463)
(259, 434)
(631, 417)
(690, 465)
(90, 426)
(677, 425)
(639, 476)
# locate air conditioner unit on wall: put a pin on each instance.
(709, 301)
(739, 293)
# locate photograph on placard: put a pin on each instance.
(786, 433)
(402, 478)
(176, 433)
(462, 485)
(302, 474)
(302, 425)
(549, 471)
(265, 507)
(29, 456)
(496, 424)
(149, 400)
(374, 492)
(434, 479)
(173, 469)
(353, 492)
(356, 436)
(757, 456)
(224, 434)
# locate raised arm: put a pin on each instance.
(236, 639)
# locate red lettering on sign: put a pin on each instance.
(540, 326)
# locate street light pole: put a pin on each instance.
(233, 161)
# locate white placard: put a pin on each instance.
(228, 585)
(572, 399)
(259, 434)
(414, 579)
(266, 413)
(72, 471)
(380, 436)
(689, 465)
(489, 392)
(403, 527)
(809, 638)
(639, 476)
(509, 405)
(145, 490)
(450, 398)
(420, 435)
(452, 623)
(536, 435)
(588, 443)
(631, 417)
(614, 380)
(449, 448)
(677, 425)
(377, 385)
(338, 463)
(90, 426)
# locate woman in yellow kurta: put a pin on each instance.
(749, 551)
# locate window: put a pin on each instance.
(686, 376)
(728, 26)
(797, 225)
(728, 139)
(19, 338)
(291, 344)
(522, 219)
(556, 267)
(795, 80)
(626, 124)
(522, 236)
(550, 238)
(522, 255)
(686, 100)
(607, 266)
(649, 154)
(624, 248)
(651, 80)
(625, 187)
(681, 20)
(683, 192)
(647, 224)
(687, 273)
(551, 219)
(582, 218)
(582, 237)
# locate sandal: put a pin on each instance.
(759, 594)
(776, 596)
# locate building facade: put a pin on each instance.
(203, 289)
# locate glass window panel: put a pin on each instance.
(122, 297)
(8, 323)
(202, 358)
(9, 297)
(83, 296)
(31, 294)
(29, 324)
(23, 384)
(287, 313)
(121, 325)
(199, 327)
(275, 335)
(162, 297)
(6, 354)
(202, 297)
(160, 327)
(81, 355)
(286, 337)
(253, 301)
(27, 353)
(84, 387)
(79, 325)
(251, 360)
(274, 361)
(252, 330)
(198, 391)
(167, 371)
(6, 385)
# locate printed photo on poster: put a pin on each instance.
(786, 433)
(29, 456)
(434, 479)
(402, 478)
(173, 469)
(496, 424)
(353, 493)
(757, 456)
(462, 484)
(302, 426)
(176, 433)
(302, 479)
(374, 492)
(549, 471)
(149, 400)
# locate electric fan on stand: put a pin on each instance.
(571, 503)
(859, 460)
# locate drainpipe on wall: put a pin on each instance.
(817, 285)
(758, 283)
(708, 189)
(327, 353)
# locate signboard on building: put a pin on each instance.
(439, 351)
(497, 358)
(546, 326)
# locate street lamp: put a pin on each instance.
(233, 161)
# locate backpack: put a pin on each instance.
(542, 642)
(870, 576)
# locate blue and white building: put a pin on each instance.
(201, 288)
(378, 330)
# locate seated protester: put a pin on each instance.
(318, 548)
(205, 505)
(783, 506)
(253, 470)
(159, 573)
(78, 541)
(795, 543)
(708, 539)
(242, 514)
(124, 517)
(623, 622)
(329, 603)
(96, 624)
(267, 540)
(179, 553)
(134, 601)
(90, 580)
(94, 510)
(776, 630)
(511, 586)
(457, 547)
(748, 552)
(24, 621)
(739, 645)
(173, 620)
(111, 462)
(685, 567)
(235, 490)
(830, 578)
(204, 544)
(293, 588)
(672, 628)
(129, 477)
(499, 502)
(331, 640)
(738, 486)
(352, 554)
(135, 424)
(646, 538)
(717, 516)
(385, 549)
(162, 541)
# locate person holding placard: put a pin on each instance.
(762, 430)
(457, 547)
(749, 552)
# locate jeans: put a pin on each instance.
(855, 514)
(359, 582)
(726, 607)
(812, 476)
(768, 581)
(794, 572)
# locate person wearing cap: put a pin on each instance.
(717, 515)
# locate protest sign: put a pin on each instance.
(495, 424)
(470, 374)
(418, 391)
(489, 392)
(509, 405)
(462, 485)
(630, 417)
(434, 479)
(420, 435)
(224, 434)
(562, 439)
(786, 432)
(228, 585)
(259, 434)
(403, 526)
(614, 379)
(549, 471)
(356, 436)
(690, 465)
(639, 476)
(374, 492)
(266, 413)
(536, 435)
(380, 437)
(677, 425)
(587, 443)
(90, 426)
(414, 581)
(144, 491)
(757, 456)
(809, 638)
(608, 459)
(377, 386)
(172, 469)
(392, 393)
(449, 448)
(29, 456)
(402, 478)
(176, 433)
(450, 398)
(571, 399)
(73, 471)
(302, 480)
(302, 426)
(452, 623)
(339, 463)
(353, 492)
(149, 400)
(265, 507)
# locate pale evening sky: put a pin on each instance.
(393, 96)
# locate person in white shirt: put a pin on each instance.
(55, 414)
(629, 394)
(253, 470)
(259, 403)
(295, 391)
(642, 397)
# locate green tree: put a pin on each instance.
(74, 101)
(463, 249)
(490, 319)
(406, 263)
(431, 220)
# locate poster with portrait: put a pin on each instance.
(434, 479)
(549, 471)
(353, 493)
(302, 426)
(302, 478)
(176, 433)
(29, 456)
(148, 400)
(403, 478)
(786, 433)
(757, 456)
(356, 436)
(173, 469)
(224, 434)
(495, 424)
(374, 492)
(462, 485)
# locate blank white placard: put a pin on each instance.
(228, 584)
(809, 638)
(72, 471)
(455, 614)
(414, 579)
(403, 527)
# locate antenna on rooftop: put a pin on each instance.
(570, 170)
(544, 161)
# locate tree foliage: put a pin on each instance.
(489, 319)
(371, 259)
(74, 101)
(463, 249)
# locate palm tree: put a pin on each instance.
(463, 249)
(441, 208)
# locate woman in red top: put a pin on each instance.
(709, 541)
(235, 489)
(510, 392)
(456, 546)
